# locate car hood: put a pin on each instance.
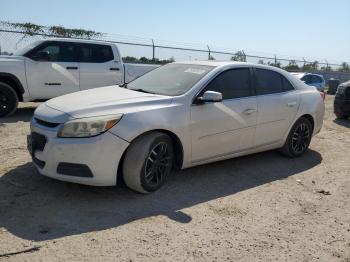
(106, 101)
(11, 58)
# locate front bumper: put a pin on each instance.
(100, 154)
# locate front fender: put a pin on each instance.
(173, 118)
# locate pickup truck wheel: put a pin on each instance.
(299, 138)
(148, 162)
(8, 100)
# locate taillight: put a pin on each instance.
(323, 95)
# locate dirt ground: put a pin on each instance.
(260, 207)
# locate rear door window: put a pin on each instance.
(268, 82)
(94, 53)
(287, 86)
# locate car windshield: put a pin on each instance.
(171, 79)
(24, 50)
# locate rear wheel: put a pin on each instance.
(8, 100)
(299, 138)
(148, 162)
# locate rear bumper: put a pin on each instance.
(90, 161)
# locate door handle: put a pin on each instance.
(114, 69)
(291, 104)
(72, 67)
(249, 111)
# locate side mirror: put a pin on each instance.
(42, 56)
(210, 96)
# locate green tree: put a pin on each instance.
(344, 67)
(238, 56)
(326, 68)
(292, 66)
(308, 67)
(275, 64)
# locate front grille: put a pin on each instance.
(72, 169)
(45, 123)
(38, 142)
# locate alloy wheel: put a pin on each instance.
(157, 163)
(300, 138)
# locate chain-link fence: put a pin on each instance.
(159, 51)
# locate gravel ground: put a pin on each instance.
(259, 207)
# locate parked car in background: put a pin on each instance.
(50, 68)
(176, 116)
(342, 101)
(311, 79)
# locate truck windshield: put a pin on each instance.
(171, 79)
(24, 50)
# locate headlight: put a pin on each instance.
(87, 127)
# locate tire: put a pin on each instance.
(341, 116)
(298, 139)
(8, 100)
(148, 162)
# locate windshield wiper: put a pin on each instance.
(143, 91)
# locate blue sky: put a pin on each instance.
(313, 29)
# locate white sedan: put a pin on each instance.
(177, 116)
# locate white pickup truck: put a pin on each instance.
(50, 68)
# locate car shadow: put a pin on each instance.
(342, 122)
(22, 114)
(37, 208)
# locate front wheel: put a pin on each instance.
(148, 162)
(299, 138)
(8, 100)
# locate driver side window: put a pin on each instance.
(55, 52)
(52, 50)
(233, 83)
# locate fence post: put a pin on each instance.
(275, 60)
(153, 51)
(304, 62)
(244, 56)
(208, 52)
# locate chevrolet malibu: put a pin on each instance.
(177, 116)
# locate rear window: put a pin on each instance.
(316, 79)
(92, 53)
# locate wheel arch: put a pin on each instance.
(307, 116)
(179, 152)
(310, 118)
(14, 82)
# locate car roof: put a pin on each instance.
(218, 63)
(76, 40)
